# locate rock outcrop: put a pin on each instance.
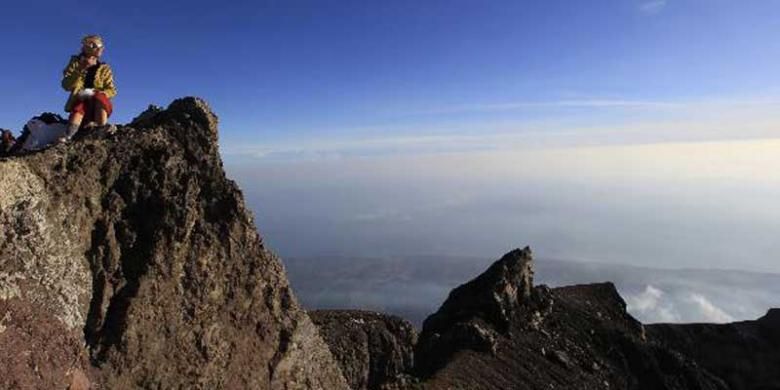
(498, 331)
(130, 260)
(474, 313)
(374, 350)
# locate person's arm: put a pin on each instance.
(73, 75)
(108, 88)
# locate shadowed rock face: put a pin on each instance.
(374, 350)
(493, 296)
(138, 245)
(475, 312)
(745, 354)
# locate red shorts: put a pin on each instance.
(87, 106)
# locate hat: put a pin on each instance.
(91, 44)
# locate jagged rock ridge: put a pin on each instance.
(499, 331)
(137, 244)
(525, 337)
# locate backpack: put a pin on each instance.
(40, 132)
(7, 142)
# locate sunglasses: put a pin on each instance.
(93, 45)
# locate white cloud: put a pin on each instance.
(656, 305)
(646, 300)
(652, 7)
(708, 311)
(650, 305)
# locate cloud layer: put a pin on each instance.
(671, 205)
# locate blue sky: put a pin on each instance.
(286, 73)
(639, 132)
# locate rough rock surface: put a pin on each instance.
(37, 351)
(499, 332)
(136, 251)
(745, 354)
(374, 350)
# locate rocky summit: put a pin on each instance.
(128, 260)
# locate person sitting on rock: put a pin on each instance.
(91, 86)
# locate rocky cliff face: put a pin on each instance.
(130, 260)
(374, 350)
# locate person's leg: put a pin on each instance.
(101, 116)
(90, 112)
(74, 121)
(102, 109)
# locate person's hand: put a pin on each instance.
(88, 61)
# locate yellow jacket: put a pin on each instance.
(73, 81)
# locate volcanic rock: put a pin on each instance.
(499, 332)
(134, 252)
(745, 354)
(374, 350)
